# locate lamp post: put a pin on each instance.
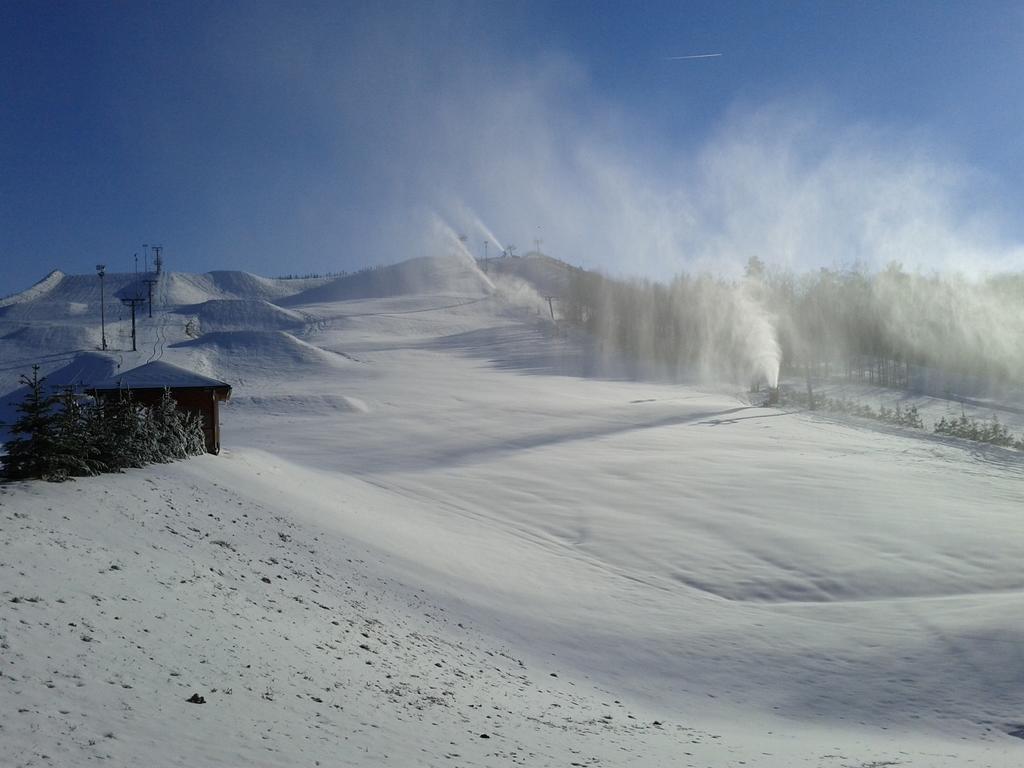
(101, 270)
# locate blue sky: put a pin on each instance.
(306, 137)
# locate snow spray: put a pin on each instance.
(759, 340)
(446, 238)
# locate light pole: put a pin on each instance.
(101, 270)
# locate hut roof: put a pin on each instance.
(158, 375)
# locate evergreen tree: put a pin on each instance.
(34, 454)
(180, 434)
(170, 429)
(913, 418)
(76, 452)
(118, 432)
(147, 437)
(195, 438)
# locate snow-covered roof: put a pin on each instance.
(157, 375)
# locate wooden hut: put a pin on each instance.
(191, 391)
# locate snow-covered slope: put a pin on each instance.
(184, 288)
(436, 520)
(548, 276)
(41, 288)
(245, 315)
(436, 275)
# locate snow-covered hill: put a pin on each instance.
(442, 533)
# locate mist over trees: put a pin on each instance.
(700, 324)
(891, 327)
(894, 327)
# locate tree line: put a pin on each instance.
(59, 434)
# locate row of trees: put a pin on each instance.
(60, 435)
(312, 275)
(899, 416)
(990, 431)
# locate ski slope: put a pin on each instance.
(439, 519)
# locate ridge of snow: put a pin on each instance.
(448, 275)
(245, 314)
(35, 291)
(270, 354)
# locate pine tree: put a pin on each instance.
(180, 433)
(76, 452)
(913, 418)
(147, 446)
(33, 455)
(118, 433)
(170, 432)
(192, 425)
(998, 434)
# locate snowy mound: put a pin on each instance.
(61, 296)
(272, 354)
(286, 404)
(547, 275)
(41, 288)
(245, 314)
(445, 276)
(250, 286)
(72, 370)
(56, 338)
(84, 369)
(183, 288)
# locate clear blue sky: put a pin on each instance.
(300, 137)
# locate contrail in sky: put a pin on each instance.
(695, 56)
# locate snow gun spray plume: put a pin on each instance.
(452, 244)
(759, 338)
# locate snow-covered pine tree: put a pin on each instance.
(76, 452)
(101, 435)
(118, 433)
(148, 448)
(180, 433)
(170, 432)
(913, 418)
(192, 427)
(998, 434)
(33, 454)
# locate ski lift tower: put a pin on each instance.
(101, 270)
